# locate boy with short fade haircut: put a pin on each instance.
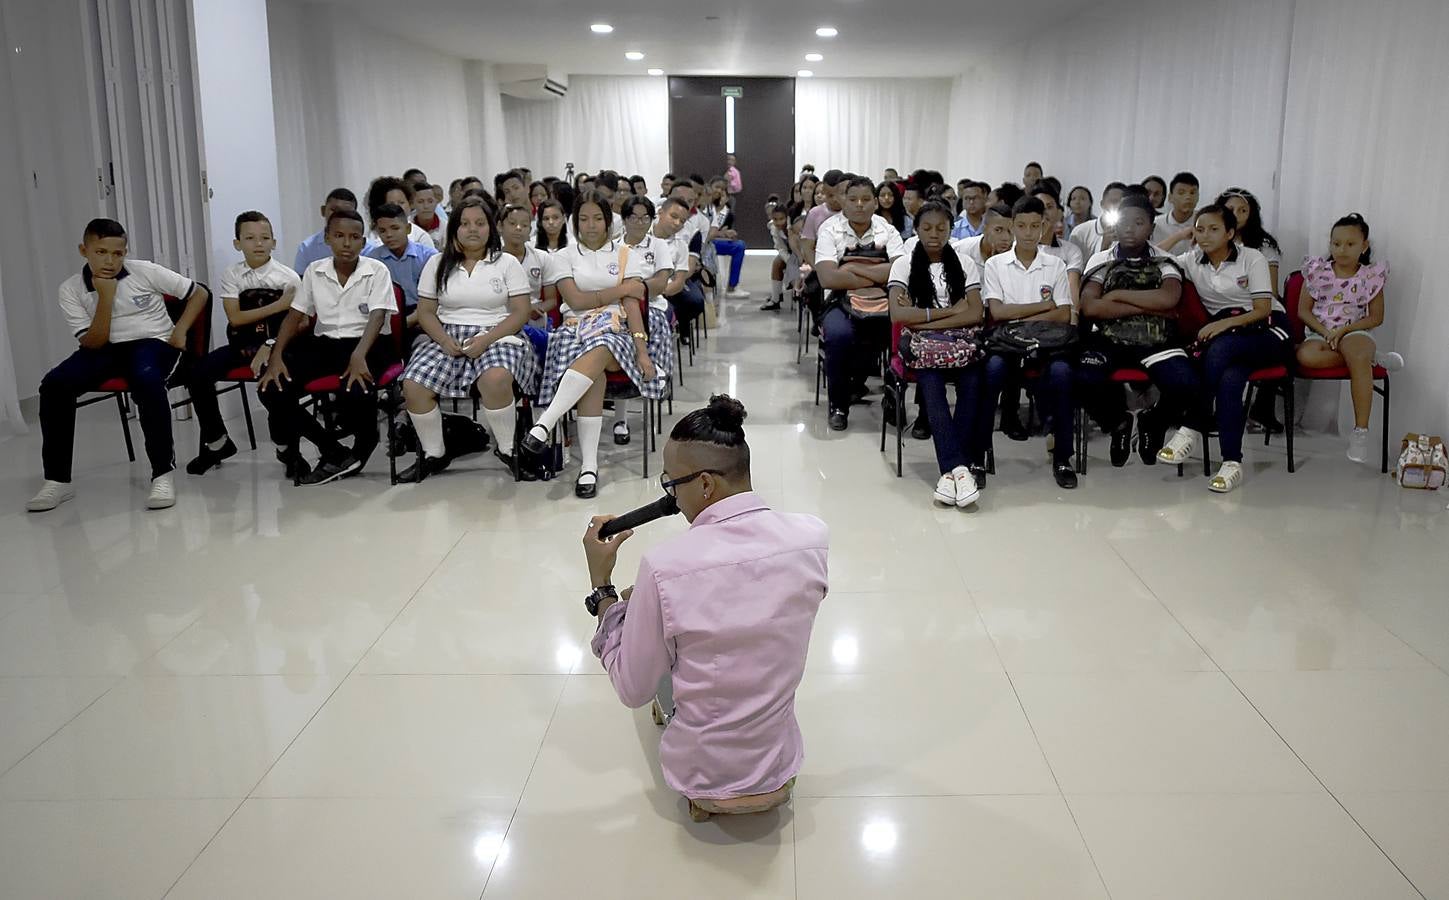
(116, 309)
(315, 247)
(511, 187)
(428, 214)
(1173, 229)
(827, 205)
(256, 294)
(351, 296)
(403, 256)
(394, 190)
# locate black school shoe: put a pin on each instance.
(586, 491)
(921, 431)
(1011, 427)
(978, 473)
(1150, 437)
(772, 306)
(839, 421)
(1122, 443)
(532, 445)
(328, 471)
(424, 467)
(1065, 475)
(1264, 413)
(528, 470)
(296, 467)
(209, 458)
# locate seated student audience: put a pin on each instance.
(394, 190)
(996, 237)
(639, 186)
(913, 196)
(351, 297)
(515, 224)
(852, 256)
(779, 229)
(1094, 236)
(510, 187)
(550, 228)
(683, 292)
(455, 194)
(596, 278)
(1156, 192)
(665, 184)
(537, 193)
(888, 204)
(473, 303)
(1341, 305)
(1028, 285)
(403, 257)
(1129, 308)
(616, 190)
(414, 174)
(948, 196)
(973, 209)
(1052, 242)
(256, 294)
(1175, 227)
(1030, 175)
(315, 247)
(890, 175)
(724, 237)
(1005, 195)
(827, 204)
(116, 309)
(1079, 208)
(656, 266)
(1247, 330)
(427, 214)
(934, 289)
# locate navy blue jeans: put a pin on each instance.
(735, 250)
(145, 364)
(848, 344)
(1226, 365)
(956, 435)
(688, 303)
(1054, 392)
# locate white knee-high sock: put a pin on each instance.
(571, 389)
(621, 412)
(590, 427)
(500, 422)
(777, 290)
(429, 426)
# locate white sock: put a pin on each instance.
(500, 422)
(777, 290)
(621, 414)
(590, 427)
(429, 426)
(571, 389)
(218, 443)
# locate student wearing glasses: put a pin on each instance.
(720, 663)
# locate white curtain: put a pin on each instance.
(605, 122)
(866, 125)
(486, 126)
(11, 421)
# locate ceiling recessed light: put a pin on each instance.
(633, 55)
(804, 73)
(813, 57)
(656, 71)
(826, 31)
(601, 28)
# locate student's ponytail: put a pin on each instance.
(1355, 220)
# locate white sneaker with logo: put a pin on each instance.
(946, 490)
(1229, 478)
(1177, 450)
(50, 495)
(967, 493)
(163, 492)
(1358, 445)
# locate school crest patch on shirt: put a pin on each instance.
(1046, 292)
(496, 284)
(362, 308)
(649, 258)
(1242, 281)
(144, 301)
(613, 268)
(535, 272)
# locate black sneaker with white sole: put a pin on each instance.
(328, 471)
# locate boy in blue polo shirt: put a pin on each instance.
(403, 256)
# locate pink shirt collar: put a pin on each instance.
(729, 508)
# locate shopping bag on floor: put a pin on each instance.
(1423, 462)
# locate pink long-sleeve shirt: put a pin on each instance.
(727, 608)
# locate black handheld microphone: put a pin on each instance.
(664, 506)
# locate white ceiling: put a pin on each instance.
(911, 38)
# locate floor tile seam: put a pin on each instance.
(118, 679)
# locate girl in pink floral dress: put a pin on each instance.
(1341, 304)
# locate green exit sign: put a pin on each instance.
(732, 91)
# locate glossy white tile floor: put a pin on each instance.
(1137, 690)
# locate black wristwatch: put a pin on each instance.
(601, 593)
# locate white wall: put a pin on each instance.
(865, 125)
(618, 122)
(238, 125)
(1317, 107)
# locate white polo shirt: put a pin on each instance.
(971, 247)
(837, 239)
(901, 275)
(1167, 226)
(1005, 279)
(1241, 279)
(138, 310)
(1068, 253)
(655, 256)
(535, 264)
(240, 277)
(342, 310)
(479, 297)
(592, 270)
(968, 250)
(420, 235)
(1097, 266)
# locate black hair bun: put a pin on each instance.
(727, 413)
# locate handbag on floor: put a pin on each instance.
(947, 348)
(1423, 462)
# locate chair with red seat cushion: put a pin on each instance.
(1118, 376)
(198, 341)
(1291, 296)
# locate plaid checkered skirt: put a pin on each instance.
(565, 347)
(454, 376)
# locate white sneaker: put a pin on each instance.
(163, 492)
(737, 294)
(967, 493)
(1390, 360)
(1358, 450)
(946, 490)
(50, 495)
(1229, 477)
(1176, 451)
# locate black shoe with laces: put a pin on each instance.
(209, 458)
(978, 473)
(295, 466)
(1011, 427)
(1122, 443)
(839, 421)
(921, 430)
(1150, 437)
(328, 471)
(1065, 475)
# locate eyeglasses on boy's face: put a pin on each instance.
(669, 484)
